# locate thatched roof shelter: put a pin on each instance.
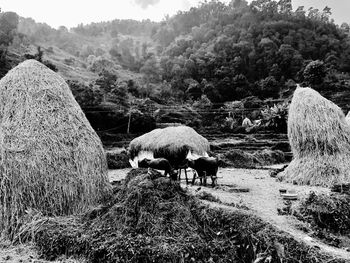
(320, 140)
(173, 143)
(51, 160)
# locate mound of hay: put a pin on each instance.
(268, 157)
(51, 159)
(320, 140)
(152, 219)
(240, 159)
(172, 143)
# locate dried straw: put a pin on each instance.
(347, 117)
(320, 140)
(50, 157)
(170, 141)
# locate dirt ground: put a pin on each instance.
(260, 194)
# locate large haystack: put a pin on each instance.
(51, 159)
(320, 140)
(173, 143)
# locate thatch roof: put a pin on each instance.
(51, 159)
(170, 140)
(320, 140)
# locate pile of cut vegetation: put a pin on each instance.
(240, 159)
(152, 219)
(51, 159)
(328, 215)
(319, 136)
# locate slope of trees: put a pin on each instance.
(236, 50)
(204, 57)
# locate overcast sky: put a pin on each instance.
(72, 12)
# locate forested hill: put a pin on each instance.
(231, 51)
(211, 54)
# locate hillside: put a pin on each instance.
(194, 63)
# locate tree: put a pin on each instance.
(119, 96)
(151, 70)
(85, 95)
(314, 73)
(106, 81)
(8, 26)
(269, 88)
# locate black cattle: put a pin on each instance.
(159, 164)
(204, 166)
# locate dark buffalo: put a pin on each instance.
(204, 166)
(159, 164)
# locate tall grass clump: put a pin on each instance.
(319, 136)
(51, 160)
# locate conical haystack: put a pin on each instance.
(320, 140)
(51, 159)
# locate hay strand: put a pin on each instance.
(50, 157)
(320, 140)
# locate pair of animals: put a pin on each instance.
(203, 166)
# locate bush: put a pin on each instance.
(275, 117)
(328, 211)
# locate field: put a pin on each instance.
(251, 189)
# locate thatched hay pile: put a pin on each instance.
(151, 219)
(172, 143)
(320, 140)
(50, 157)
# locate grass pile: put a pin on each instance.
(320, 140)
(327, 211)
(268, 157)
(172, 143)
(327, 217)
(152, 219)
(240, 159)
(50, 157)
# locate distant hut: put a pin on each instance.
(320, 140)
(51, 160)
(172, 143)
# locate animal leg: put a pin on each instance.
(186, 176)
(205, 179)
(194, 177)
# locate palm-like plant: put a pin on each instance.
(275, 117)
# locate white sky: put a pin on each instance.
(70, 13)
